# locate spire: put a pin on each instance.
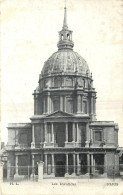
(65, 26)
(65, 35)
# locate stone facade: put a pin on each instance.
(63, 132)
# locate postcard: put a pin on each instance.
(61, 97)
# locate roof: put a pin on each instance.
(66, 61)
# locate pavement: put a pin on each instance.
(63, 186)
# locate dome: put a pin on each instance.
(65, 61)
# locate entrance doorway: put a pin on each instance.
(60, 134)
(83, 163)
(60, 165)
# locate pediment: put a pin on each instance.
(59, 114)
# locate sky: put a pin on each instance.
(29, 36)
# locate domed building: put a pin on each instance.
(63, 132)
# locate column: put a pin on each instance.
(48, 103)
(73, 132)
(74, 164)
(35, 100)
(51, 102)
(78, 165)
(66, 164)
(88, 163)
(105, 164)
(87, 106)
(8, 170)
(41, 138)
(16, 164)
(52, 131)
(61, 103)
(33, 165)
(40, 171)
(1, 172)
(53, 166)
(16, 137)
(45, 132)
(92, 165)
(77, 127)
(94, 105)
(45, 158)
(44, 105)
(82, 104)
(49, 134)
(33, 137)
(91, 104)
(91, 137)
(29, 159)
(66, 130)
(78, 103)
(87, 134)
(64, 103)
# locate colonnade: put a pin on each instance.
(89, 167)
(90, 163)
(75, 165)
(52, 139)
(47, 104)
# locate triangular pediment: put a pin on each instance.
(59, 114)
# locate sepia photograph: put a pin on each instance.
(61, 97)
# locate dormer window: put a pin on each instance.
(61, 36)
(68, 36)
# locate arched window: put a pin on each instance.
(57, 82)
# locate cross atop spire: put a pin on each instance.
(65, 2)
(65, 26)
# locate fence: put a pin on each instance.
(27, 173)
(20, 173)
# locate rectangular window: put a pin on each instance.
(98, 135)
